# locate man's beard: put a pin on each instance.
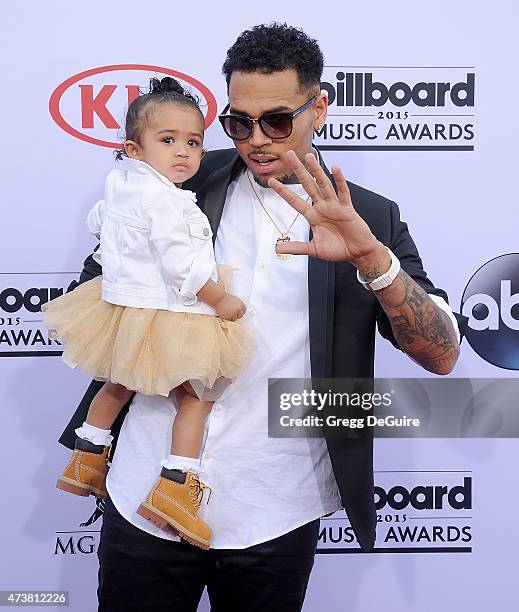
(286, 179)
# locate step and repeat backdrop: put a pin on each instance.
(421, 111)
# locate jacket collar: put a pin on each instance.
(137, 166)
(214, 190)
(321, 299)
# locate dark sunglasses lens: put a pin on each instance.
(277, 125)
(238, 128)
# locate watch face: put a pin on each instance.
(381, 283)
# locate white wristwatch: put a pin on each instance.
(386, 279)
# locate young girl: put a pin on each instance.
(159, 317)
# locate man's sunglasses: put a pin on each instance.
(273, 125)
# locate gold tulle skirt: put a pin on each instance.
(145, 350)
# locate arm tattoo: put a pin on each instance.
(422, 329)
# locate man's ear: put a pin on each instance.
(132, 149)
(204, 151)
(320, 111)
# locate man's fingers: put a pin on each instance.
(323, 182)
(297, 203)
(342, 186)
(295, 248)
(305, 178)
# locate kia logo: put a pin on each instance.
(91, 105)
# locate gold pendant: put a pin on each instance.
(283, 256)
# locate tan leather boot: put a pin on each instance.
(86, 472)
(174, 501)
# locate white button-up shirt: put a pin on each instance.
(261, 487)
(156, 243)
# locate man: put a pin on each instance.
(319, 321)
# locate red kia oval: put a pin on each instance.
(54, 101)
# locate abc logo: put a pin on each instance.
(491, 302)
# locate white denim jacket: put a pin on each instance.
(156, 245)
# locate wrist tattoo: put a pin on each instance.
(370, 273)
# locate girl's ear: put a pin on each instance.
(132, 149)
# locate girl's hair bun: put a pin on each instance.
(166, 84)
(162, 91)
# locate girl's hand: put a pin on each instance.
(230, 308)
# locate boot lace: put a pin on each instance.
(197, 490)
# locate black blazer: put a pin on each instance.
(343, 317)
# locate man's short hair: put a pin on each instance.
(269, 48)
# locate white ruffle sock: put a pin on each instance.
(184, 464)
(93, 434)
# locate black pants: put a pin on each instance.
(138, 571)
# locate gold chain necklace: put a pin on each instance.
(284, 234)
